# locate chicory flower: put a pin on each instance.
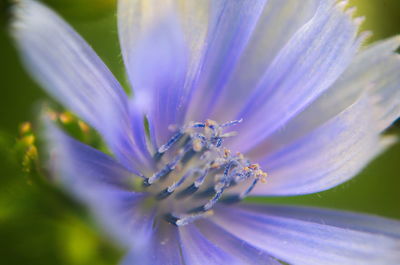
(230, 98)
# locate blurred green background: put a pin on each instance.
(40, 225)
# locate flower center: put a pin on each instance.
(195, 172)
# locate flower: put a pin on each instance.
(283, 82)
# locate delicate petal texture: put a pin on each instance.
(142, 18)
(248, 254)
(155, 61)
(348, 220)
(163, 250)
(305, 67)
(102, 184)
(196, 249)
(303, 239)
(92, 166)
(230, 28)
(71, 72)
(326, 157)
(374, 72)
(135, 17)
(124, 216)
(278, 22)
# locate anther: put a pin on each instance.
(197, 145)
(210, 123)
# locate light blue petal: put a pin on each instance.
(326, 157)
(102, 184)
(196, 249)
(248, 254)
(374, 71)
(124, 216)
(230, 29)
(65, 65)
(164, 249)
(277, 24)
(342, 219)
(310, 236)
(156, 62)
(92, 167)
(136, 17)
(305, 67)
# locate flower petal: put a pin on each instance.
(311, 236)
(374, 71)
(155, 56)
(305, 67)
(279, 21)
(343, 219)
(196, 249)
(210, 56)
(102, 184)
(164, 249)
(230, 29)
(326, 157)
(71, 72)
(248, 254)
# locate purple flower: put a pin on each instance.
(284, 82)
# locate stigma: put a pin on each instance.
(195, 172)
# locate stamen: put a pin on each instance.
(210, 204)
(171, 142)
(197, 152)
(169, 167)
(249, 189)
(163, 172)
(186, 219)
(195, 186)
(169, 190)
(219, 189)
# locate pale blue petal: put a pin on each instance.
(156, 59)
(348, 220)
(374, 71)
(326, 157)
(102, 184)
(279, 21)
(164, 249)
(65, 65)
(92, 167)
(305, 67)
(124, 216)
(230, 29)
(197, 249)
(248, 254)
(136, 17)
(314, 237)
